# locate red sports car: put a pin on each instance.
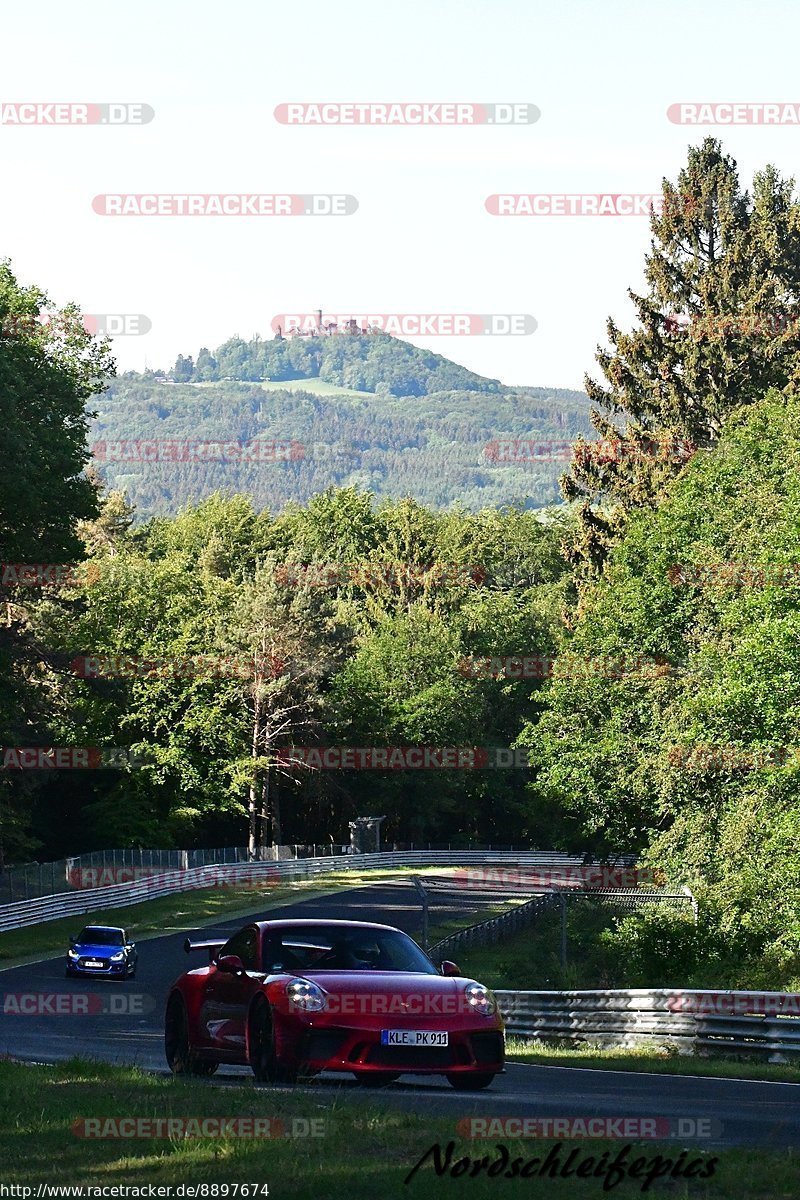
(293, 998)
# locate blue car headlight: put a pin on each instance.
(73, 954)
(118, 957)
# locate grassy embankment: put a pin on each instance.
(364, 1152)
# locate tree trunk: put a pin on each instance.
(263, 813)
(252, 812)
(275, 814)
(253, 805)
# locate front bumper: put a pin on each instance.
(330, 1048)
(109, 969)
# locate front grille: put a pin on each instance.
(487, 1047)
(415, 1056)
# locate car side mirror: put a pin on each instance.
(72, 939)
(231, 964)
(449, 968)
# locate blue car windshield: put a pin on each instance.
(98, 936)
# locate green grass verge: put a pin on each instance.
(659, 1060)
(365, 1150)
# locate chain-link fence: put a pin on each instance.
(103, 868)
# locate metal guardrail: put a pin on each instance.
(631, 897)
(488, 933)
(693, 1021)
(24, 881)
(103, 868)
(164, 883)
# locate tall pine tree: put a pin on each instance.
(719, 324)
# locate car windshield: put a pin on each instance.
(100, 936)
(339, 948)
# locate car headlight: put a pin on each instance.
(480, 999)
(305, 996)
(73, 954)
(118, 957)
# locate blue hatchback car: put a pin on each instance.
(102, 950)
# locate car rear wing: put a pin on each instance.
(211, 947)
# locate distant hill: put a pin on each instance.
(346, 423)
(369, 362)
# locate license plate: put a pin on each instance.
(412, 1037)
(92, 962)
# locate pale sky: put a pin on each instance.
(603, 76)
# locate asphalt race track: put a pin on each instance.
(736, 1112)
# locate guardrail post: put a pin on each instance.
(563, 905)
(423, 895)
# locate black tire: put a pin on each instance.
(180, 1058)
(264, 1061)
(132, 974)
(376, 1078)
(470, 1083)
